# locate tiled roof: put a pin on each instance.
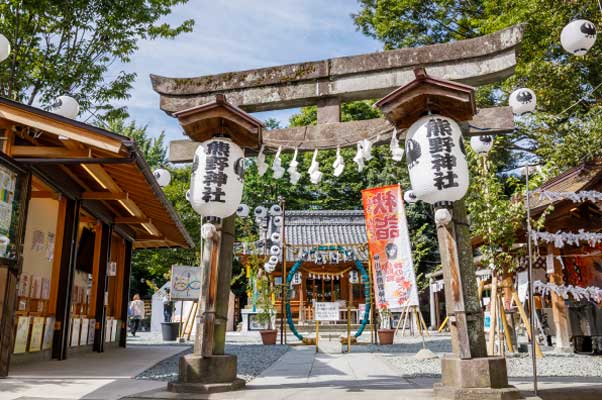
(307, 229)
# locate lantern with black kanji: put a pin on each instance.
(216, 183)
(437, 159)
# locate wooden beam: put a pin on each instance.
(44, 194)
(87, 220)
(104, 195)
(490, 121)
(132, 220)
(47, 151)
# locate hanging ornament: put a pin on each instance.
(481, 144)
(275, 210)
(242, 211)
(4, 48)
(339, 163)
(410, 197)
(297, 277)
(269, 268)
(277, 165)
(275, 250)
(260, 212)
(438, 168)
(292, 169)
(209, 196)
(314, 169)
(522, 101)
(277, 220)
(367, 149)
(354, 277)
(162, 176)
(578, 36)
(262, 167)
(396, 151)
(359, 158)
(275, 237)
(65, 106)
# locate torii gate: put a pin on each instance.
(327, 84)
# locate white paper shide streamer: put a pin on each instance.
(396, 150)
(359, 158)
(560, 239)
(579, 197)
(262, 167)
(339, 163)
(590, 293)
(292, 169)
(277, 165)
(314, 169)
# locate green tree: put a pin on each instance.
(153, 148)
(68, 46)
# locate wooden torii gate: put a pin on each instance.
(328, 83)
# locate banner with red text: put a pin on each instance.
(393, 276)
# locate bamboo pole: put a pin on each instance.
(493, 315)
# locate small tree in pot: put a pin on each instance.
(266, 291)
(385, 333)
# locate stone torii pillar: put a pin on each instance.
(469, 373)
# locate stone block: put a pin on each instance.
(215, 369)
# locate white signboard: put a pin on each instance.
(326, 311)
(523, 285)
(185, 282)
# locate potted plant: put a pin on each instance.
(266, 309)
(385, 333)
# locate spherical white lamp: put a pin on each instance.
(260, 212)
(242, 211)
(522, 101)
(162, 176)
(481, 144)
(275, 237)
(188, 196)
(578, 36)
(436, 159)
(410, 197)
(275, 250)
(4, 48)
(273, 260)
(275, 210)
(66, 106)
(216, 182)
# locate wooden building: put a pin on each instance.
(74, 201)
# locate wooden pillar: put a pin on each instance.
(101, 287)
(559, 308)
(224, 276)
(127, 269)
(62, 324)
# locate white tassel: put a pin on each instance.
(292, 169)
(339, 163)
(359, 158)
(314, 169)
(396, 151)
(277, 165)
(367, 149)
(262, 167)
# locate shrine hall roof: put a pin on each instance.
(307, 229)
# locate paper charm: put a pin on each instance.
(277, 165)
(367, 149)
(314, 169)
(359, 158)
(292, 169)
(262, 167)
(339, 163)
(396, 151)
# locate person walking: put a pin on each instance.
(137, 313)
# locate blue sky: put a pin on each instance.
(232, 35)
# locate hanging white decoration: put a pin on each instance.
(359, 158)
(262, 167)
(208, 231)
(292, 169)
(590, 293)
(367, 149)
(297, 277)
(277, 220)
(162, 176)
(436, 159)
(410, 197)
(275, 237)
(275, 250)
(216, 182)
(275, 210)
(586, 195)
(560, 239)
(314, 169)
(442, 216)
(481, 144)
(578, 36)
(339, 163)
(242, 211)
(188, 195)
(4, 48)
(277, 165)
(522, 101)
(65, 106)
(273, 260)
(269, 268)
(396, 150)
(260, 212)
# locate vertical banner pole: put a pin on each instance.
(530, 272)
(317, 333)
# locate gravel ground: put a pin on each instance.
(401, 357)
(252, 360)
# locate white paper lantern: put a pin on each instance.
(269, 268)
(242, 211)
(188, 195)
(277, 220)
(275, 237)
(437, 159)
(216, 183)
(4, 48)
(260, 212)
(410, 197)
(522, 101)
(354, 277)
(275, 210)
(66, 106)
(162, 176)
(273, 260)
(297, 277)
(275, 250)
(578, 36)
(481, 144)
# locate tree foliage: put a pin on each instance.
(68, 46)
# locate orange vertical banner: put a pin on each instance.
(390, 249)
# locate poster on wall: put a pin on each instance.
(38, 243)
(45, 291)
(390, 250)
(24, 285)
(76, 323)
(83, 336)
(112, 269)
(8, 180)
(48, 333)
(185, 282)
(50, 246)
(37, 334)
(22, 335)
(108, 328)
(114, 330)
(36, 287)
(91, 330)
